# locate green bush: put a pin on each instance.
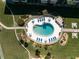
(26, 44)
(22, 42)
(37, 52)
(20, 22)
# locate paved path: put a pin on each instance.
(70, 30)
(64, 30)
(1, 53)
(14, 23)
(10, 28)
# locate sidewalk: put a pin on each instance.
(1, 53)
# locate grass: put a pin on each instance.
(69, 21)
(3, 17)
(71, 50)
(11, 48)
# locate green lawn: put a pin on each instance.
(69, 21)
(71, 50)
(11, 48)
(68, 51)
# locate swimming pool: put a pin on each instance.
(45, 29)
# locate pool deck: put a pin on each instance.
(50, 39)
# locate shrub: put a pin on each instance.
(21, 41)
(26, 44)
(48, 56)
(37, 52)
(20, 22)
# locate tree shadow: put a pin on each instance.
(21, 9)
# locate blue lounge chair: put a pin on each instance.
(41, 39)
(49, 40)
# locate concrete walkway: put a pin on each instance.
(64, 30)
(10, 28)
(70, 30)
(14, 24)
(1, 53)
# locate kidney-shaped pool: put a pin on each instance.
(45, 29)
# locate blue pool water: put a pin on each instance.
(44, 29)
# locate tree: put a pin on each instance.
(21, 41)
(24, 16)
(37, 53)
(45, 47)
(26, 44)
(20, 22)
(48, 56)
